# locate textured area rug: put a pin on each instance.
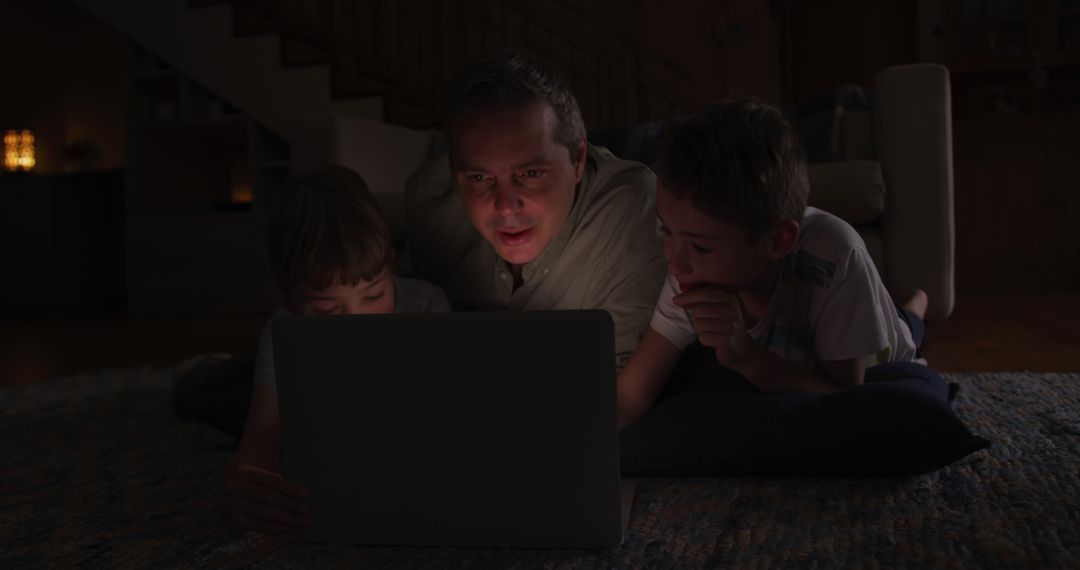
(96, 472)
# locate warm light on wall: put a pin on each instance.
(241, 194)
(19, 150)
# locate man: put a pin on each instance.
(522, 213)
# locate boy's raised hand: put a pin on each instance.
(262, 500)
(718, 320)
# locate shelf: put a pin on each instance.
(226, 122)
(149, 74)
(1010, 35)
(202, 176)
(995, 21)
(166, 97)
(274, 164)
(144, 63)
(995, 64)
(994, 9)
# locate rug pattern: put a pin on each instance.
(95, 472)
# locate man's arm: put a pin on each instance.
(644, 376)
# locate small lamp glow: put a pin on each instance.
(19, 150)
(240, 194)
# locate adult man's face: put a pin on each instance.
(516, 181)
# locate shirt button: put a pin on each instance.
(546, 271)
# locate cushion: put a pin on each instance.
(853, 190)
(835, 125)
(712, 421)
(853, 135)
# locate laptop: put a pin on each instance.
(487, 429)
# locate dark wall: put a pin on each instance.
(826, 43)
(64, 76)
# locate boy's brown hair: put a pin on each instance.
(739, 161)
(327, 230)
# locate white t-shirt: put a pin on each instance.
(410, 296)
(829, 303)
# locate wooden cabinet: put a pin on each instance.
(1016, 100)
(994, 35)
(201, 179)
(61, 241)
(1012, 56)
(1016, 202)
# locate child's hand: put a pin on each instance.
(718, 320)
(257, 499)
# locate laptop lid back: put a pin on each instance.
(466, 429)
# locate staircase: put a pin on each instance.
(391, 60)
(244, 71)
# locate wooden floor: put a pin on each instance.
(40, 348)
(986, 333)
(1038, 332)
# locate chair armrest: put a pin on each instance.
(913, 137)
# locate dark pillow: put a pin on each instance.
(712, 421)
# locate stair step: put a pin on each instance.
(296, 52)
(346, 84)
(406, 114)
(401, 106)
(235, 51)
(251, 22)
(195, 4)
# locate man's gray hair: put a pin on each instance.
(516, 79)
